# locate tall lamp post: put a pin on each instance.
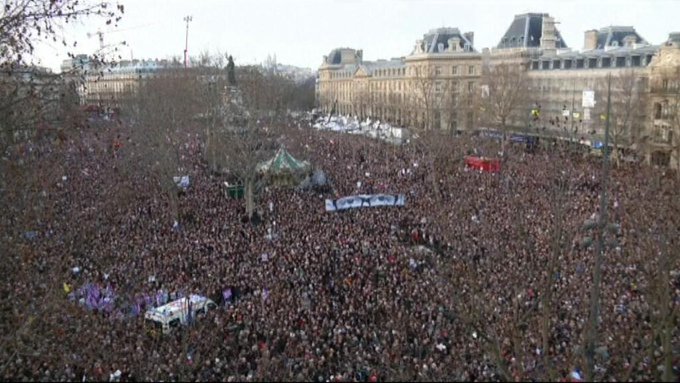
(187, 19)
(591, 338)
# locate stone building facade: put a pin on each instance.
(438, 84)
(107, 84)
(426, 89)
(663, 138)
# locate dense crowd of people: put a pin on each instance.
(480, 276)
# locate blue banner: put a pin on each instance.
(365, 200)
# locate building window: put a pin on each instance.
(635, 61)
(534, 65)
(648, 60)
(437, 70)
(545, 64)
(664, 84)
(579, 63)
(556, 64)
(661, 158)
(567, 64)
(657, 110)
(620, 62)
(606, 62)
(471, 69)
(471, 86)
(438, 86)
(454, 70)
(592, 63)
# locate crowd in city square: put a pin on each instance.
(480, 276)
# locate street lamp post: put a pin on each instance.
(187, 19)
(599, 250)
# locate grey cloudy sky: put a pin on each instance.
(300, 32)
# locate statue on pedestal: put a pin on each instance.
(231, 77)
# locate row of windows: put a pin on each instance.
(398, 86)
(455, 70)
(106, 86)
(390, 72)
(341, 75)
(663, 110)
(593, 62)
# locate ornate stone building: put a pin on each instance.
(438, 85)
(663, 138)
(106, 85)
(559, 78)
(427, 88)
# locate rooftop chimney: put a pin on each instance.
(360, 56)
(548, 35)
(590, 41)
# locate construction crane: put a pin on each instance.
(101, 34)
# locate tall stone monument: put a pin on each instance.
(236, 113)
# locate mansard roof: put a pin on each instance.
(437, 41)
(526, 31)
(613, 36)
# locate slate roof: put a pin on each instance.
(526, 31)
(613, 36)
(613, 53)
(371, 66)
(335, 57)
(441, 36)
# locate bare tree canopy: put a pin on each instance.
(24, 23)
(504, 96)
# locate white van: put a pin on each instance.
(166, 318)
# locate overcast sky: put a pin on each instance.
(300, 32)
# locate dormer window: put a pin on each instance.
(615, 43)
(467, 47)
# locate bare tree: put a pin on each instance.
(237, 142)
(28, 95)
(242, 145)
(426, 98)
(361, 100)
(504, 96)
(626, 110)
(23, 23)
(162, 113)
